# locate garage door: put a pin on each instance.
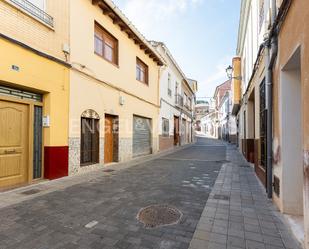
(141, 136)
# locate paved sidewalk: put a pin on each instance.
(239, 215)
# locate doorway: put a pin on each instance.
(142, 134)
(14, 144)
(291, 133)
(261, 168)
(111, 139)
(176, 131)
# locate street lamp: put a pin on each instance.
(229, 72)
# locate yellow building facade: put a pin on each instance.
(114, 92)
(34, 92)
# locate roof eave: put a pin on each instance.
(111, 10)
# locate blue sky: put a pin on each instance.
(201, 34)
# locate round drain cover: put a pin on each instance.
(159, 215)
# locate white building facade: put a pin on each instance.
(177, 102)
(227, 122)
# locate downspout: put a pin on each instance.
(271, 50)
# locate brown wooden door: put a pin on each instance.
(176, 131)
(14, 140)
(109, 140)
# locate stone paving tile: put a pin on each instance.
(247, 220)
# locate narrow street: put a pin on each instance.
(221, 201)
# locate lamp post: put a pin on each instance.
(229, 71)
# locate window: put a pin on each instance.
(141, 71)
(189, 103)
(105, 45)
(165, 127)
(185, 99)
(169, 85)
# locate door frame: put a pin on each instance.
(31, 105)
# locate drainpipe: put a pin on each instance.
(271, 49)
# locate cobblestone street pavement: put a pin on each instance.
(58, 219)
(102, 212)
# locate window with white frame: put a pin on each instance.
(169, 85)
(165, 127)
(185, 101)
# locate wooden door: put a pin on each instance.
(14, 141)
(109, 140)
(176, 131)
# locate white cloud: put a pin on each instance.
(146, 14)
(208, 86)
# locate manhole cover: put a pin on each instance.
(31, 192)
(108, 170)
(221, 197)
(159, 215)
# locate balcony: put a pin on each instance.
(34, 11)
(188, 107)
(179, 100)
(169, 92)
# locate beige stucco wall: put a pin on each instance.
(87, 93)
(97, 84)
(294, 33)
(83, 15)
(34, 33)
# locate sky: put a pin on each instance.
(201, 34)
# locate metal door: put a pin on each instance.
(141, 136)
(37, 142)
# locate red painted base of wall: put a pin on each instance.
(166, 143)
(56, 162)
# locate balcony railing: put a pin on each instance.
(179, 100)
(34, 11)
(169, 92)
(188, 107)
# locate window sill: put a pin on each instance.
(87, 164)
(145, 83)
(101, 57)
